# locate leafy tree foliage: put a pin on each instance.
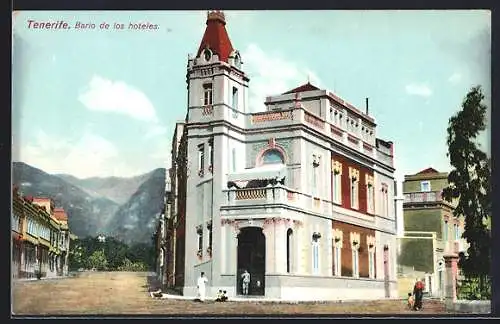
(469, 182)
(111, 254)
(98, 260)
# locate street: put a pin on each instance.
(101, 293)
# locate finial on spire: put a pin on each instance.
(216, 15)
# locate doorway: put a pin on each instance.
(251, 257)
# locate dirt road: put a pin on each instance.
(101, 293)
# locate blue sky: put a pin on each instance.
(104, 102)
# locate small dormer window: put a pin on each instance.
(207, 54)
(237, 61)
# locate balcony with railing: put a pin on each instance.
(423, 197)
(275, 195)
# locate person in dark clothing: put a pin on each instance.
(418, 292)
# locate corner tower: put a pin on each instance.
(217, 103)
(214, 75)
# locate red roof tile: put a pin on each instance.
(303, 88)
(428, 170)
(216, 37)
(60, 214)
(40, 199)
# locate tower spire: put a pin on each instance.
(215, 37)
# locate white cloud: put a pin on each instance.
(271, 75)
(91, 155)
(155, 131)
(418, 89)
(455, 78)
(117, 96)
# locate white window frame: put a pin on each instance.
(338, 260)
(337, 187)
(385, 199)
(355, 263)
(201, 157)
(211, 152)
(370, 194)
(371, 198)
(354, 183)
(423, 185)
(457, 231)
(315, 257)
(207, 94)
(316, 163)
(445, 230)
(235, 100)
(371, 263)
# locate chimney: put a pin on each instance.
(366, 106)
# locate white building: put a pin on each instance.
(301, 195)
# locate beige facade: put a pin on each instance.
(430, 232)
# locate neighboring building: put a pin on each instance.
(40, 237)
(161, 236)
(169, 232)
(175, 244)
(63, 240)
(301, 195)
(17, 232)
(430, 231)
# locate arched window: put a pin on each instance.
(289, 247)
(272, 156)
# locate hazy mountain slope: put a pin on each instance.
(135, 220)
(87, 215)
(114, 188)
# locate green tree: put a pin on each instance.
(98, 260)
(469, 183)
(115, 252)
(76, 255)
(142, 252)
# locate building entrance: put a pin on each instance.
(252, 258)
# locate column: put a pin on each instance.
(268, 231)
(450, 291)
(223, 247)
(280, 246)
(233, 248)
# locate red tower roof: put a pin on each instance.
(216, 37)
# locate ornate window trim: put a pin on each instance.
(337, 238)
(355, 239)
(370, 193)
(336, 167)
(370, 243)
(354, 181)
(353, 174)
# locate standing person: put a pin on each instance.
(202, 280)
(246, 282)
(418, 292)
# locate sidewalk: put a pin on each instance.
(262, 299)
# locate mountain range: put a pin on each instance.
(125, 208)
